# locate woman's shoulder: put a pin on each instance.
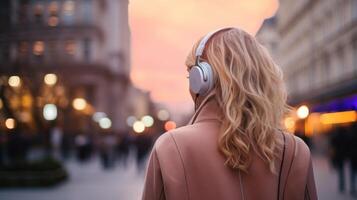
(167, 141)
(297, 151)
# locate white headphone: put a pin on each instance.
(201, 75)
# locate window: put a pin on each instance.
(22, 12)
(68, 11)
(70, 47)
(68, 7)
(87, 10)
(354, 53)
(354, 9)
(38, 48)
(53, 14)
(53, 21)
(52, 51)
(4, 52)
(327, 67)
(341, 61)
(38, 13)
(22, 49)
(86, 49)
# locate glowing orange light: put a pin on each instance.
(169, 125)
(79, 103)
(10, 123)
(338, 117)
(289, 123)
(312, 124)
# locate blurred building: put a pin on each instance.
(85, 42)
(268, 36)
(317, 50)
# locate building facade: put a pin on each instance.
(86, 43)
(317, 50)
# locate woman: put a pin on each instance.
(234, 147)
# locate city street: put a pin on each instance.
(87, 182)
(90, 182)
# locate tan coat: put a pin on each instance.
(185, 164)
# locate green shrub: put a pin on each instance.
(46, 172)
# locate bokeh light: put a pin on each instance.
(147, 120)
(302, 112)
(79, 103)
(338, 117)
(97, 116)
(10, 123)
(14, 81)
(50, 112)
(163, 115)
(130, 121)
(50, 79)
(139, 127)
(289, 123)
(169, 125)
(105, 123)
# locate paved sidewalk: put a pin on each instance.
(87, 182)
(326, 181)
(90, 182)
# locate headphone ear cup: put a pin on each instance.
(196, 79)
(201, 79)
(208, 77)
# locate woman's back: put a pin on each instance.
(186, 164)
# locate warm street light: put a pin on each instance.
(138, 127)
(79, 103)
(302, 112)
(50, 79)
(169, 125)
(105, 123)
(10, 123)
(147, 120)
(14, 81)
(289, 123)
(50, 112)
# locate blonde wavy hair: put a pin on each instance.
(250, 91)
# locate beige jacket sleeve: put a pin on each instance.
(310, 190)
(153, 188)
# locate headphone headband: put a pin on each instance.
(202, 45)
(201, 74)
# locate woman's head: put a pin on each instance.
(250, 91)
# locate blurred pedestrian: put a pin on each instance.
(234, 147)
(123, 148)
(56, 140)
(338, 154)
(107, 148)
(143, 145)
(83, 147)
(352, 156)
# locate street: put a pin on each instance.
(90, 182)
(87, 181)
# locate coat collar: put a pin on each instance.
(208, 110)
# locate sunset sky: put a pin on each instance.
(163, 32)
